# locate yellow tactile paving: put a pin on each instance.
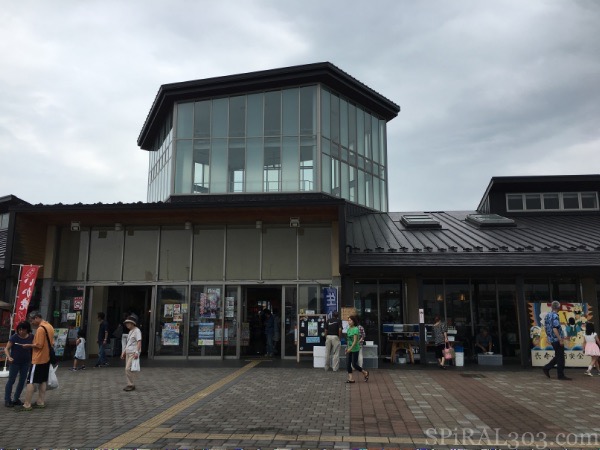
(134, 434)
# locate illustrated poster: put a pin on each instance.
(206, 333)
(170, 334)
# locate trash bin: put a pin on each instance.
(459, 356)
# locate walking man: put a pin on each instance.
(40, 361)
(102, 340)
(333, 332)
(556, 337)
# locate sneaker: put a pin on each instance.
(73, 369)
(8, 404)
(588, 373)
(82, 368)
(17, 402)
(105, 364)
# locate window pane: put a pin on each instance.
(202, 119)
(308, 110)
(360, 131)
(532, 201)
(345, 183)
(344, 123)
(326, 174)
(279, 253)
(551, 201)
(185, 115)
(254, 165)
(369, 190)
(255, 115)
(376, 195)
(237, 116)
(290, 112)
(183, 168)
(72, 254)
(368, 138)
(307, 164)
(218, 159)
(272, 165)
(352, 183)
(361, 188)
(171, 332)
(325, 113)
(375, 138)
(335, 178)
(514, 202)
(243, 253)
(335, 118)
(352, 127)
(219, 119)
(205, 316)
(208, 241)
(139, 263)
(201, 166)
(273, 113)
(236, 165)
(174, 262)
(589, 200)
(290, 174)
(571, 200)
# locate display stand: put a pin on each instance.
(311, 333)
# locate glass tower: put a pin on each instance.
(294, 139)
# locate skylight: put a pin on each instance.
(420, 221)
(490, 220)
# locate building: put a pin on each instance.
(266, 188)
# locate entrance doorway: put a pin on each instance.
(255, 301)
(125, 300)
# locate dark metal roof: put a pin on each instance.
(323, 72)
(381, 240)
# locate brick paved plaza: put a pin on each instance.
(275, 404)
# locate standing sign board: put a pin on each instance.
(311, 333)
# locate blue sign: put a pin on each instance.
(329, 300)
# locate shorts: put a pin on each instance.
(38, 373)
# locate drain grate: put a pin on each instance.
(472, 375)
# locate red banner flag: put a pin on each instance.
(24, 293)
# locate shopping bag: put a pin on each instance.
(135, 365)
(52, 379)
(448, 352)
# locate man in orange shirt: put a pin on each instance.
(40, 361)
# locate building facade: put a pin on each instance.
(265, 190)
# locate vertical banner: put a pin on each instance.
(330, 300)
(24, 292)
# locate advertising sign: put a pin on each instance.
(24, 292)
(330, 300)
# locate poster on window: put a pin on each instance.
(573, 317)
(60, 340)
(170, 334)
(209, 303)
(168, 312)
(229, 307)
(206, 333)
(177, 315)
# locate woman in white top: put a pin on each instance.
(592, 347)
(131, 352)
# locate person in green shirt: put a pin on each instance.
(353, 338)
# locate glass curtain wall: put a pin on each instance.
(353, 152)
(261, 142)
(267, 142)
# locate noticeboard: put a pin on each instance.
(311, 332)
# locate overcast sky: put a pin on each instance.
(486, 88)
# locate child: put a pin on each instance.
(79, 352)
(592, 348)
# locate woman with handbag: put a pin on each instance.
(131, 353)
(440, 338)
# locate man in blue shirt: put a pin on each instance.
(556, 337)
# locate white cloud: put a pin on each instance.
(486, 88)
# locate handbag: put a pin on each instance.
(135, 364)
(53, 360)
(448, 352)
(52, 379)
